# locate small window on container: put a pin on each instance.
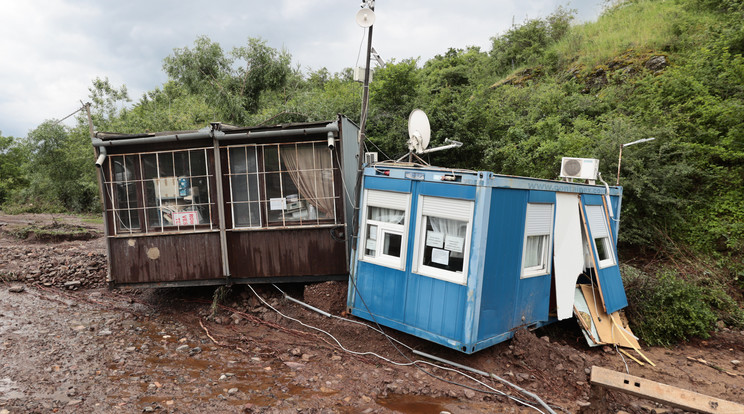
(597, 222)
(443, 237)
(384, 231)
(537, 240)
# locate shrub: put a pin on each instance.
(668, 308)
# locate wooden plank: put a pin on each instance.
(662, 393)
(631, 356)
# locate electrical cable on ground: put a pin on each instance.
(356, 289)
(410, 362)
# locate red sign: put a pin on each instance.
(185, 218)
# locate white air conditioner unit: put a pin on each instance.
(370, 158)
(581, 168)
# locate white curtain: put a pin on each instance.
(450, 228)
(534, 251)
(312, 173)
(387, 215)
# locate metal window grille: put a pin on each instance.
(282, 185)
(164, 191)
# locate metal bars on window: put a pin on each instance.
(156, 192)
(282, 185)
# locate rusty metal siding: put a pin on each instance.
(165, 258)
(290, 252)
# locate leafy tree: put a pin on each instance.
(526, 44)
(393, 95)
(107, 104)
(60, 169)
(169, 108)
(13, 155)
(232, 84)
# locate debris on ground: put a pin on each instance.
(71, 345)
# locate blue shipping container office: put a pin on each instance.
(464, 258)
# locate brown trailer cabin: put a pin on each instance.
(227, 205)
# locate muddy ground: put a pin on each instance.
(69, 344)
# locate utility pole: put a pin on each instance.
(362, 125)
(365, 88)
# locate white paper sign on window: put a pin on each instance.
(278, 203)
(454, 243)
(434, 239)
(372, 232)
(440, 256)
(371, 244)
(185, 218)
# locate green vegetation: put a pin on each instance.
(668, 308)
(671, 306)
(219, 297)
(671, 69)
(54, 232)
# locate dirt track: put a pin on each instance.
(82, 348)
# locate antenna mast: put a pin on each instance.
(365, 18)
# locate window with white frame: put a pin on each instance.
(384, 232)
(538, 234)
(597, 222)
(289, 184)
(442, 243)
(160, 191)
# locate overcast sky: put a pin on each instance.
(52, 49)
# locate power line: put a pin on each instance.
(78, 110)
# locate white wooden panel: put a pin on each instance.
(568, 254)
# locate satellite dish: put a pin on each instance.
(365, 17)
(419, 131)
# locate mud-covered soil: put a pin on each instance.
(79, 347)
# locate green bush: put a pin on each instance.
(726, 308)
(667, 309)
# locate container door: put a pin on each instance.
(603, 248)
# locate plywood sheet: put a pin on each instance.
(610, 333)
(568, 256)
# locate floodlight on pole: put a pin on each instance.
(380, 61)
(620, 157)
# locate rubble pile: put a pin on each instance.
(64, 267)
